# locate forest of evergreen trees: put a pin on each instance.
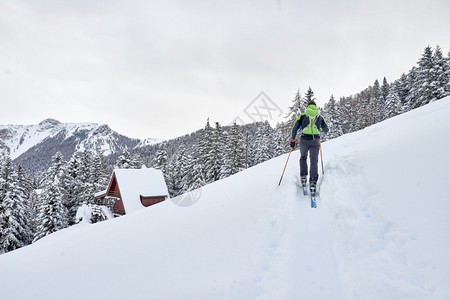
(32, 207)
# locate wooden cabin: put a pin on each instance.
(130, 190)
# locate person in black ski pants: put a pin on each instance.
(311, 123)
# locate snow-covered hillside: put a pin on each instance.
(381, 231)
(31, 143)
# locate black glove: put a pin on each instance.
(292, 143)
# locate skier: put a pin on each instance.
(311, 123)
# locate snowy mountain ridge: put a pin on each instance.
(380, 231)
(22, 142)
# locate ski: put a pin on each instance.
(313, 202)
(313, 196)
(305, 189)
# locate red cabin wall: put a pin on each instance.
(148, 201)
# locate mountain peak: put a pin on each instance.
(49, 122)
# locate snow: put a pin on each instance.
(134, 183)
(84, 214)
(381, 231)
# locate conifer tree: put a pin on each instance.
(85, 180)
(100, 173)
(333, 118)
(412, 99)
(186, 171)
(179, 172)
(213, 172)
(52, 213)
(128, 161)
(309, 96)
(264, 143)
(393, 103)
(203, 153)
(298, 106)
(348, 110)
(375, 104)
(424, 84)
(28, 195)
(234, 161)
(402, 91)
(160, 161)
(279, 141)
(384, 90)
(196, 180)
(440, 74)
(73, 186)
(15, 230)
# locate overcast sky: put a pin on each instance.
(161, 68)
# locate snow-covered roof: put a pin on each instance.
(134, 183)
(101, 193)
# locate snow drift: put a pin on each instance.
(380, 231)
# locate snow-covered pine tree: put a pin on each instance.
(264, 143)
(234, 160)
(16, 231)
(160, 161)
(440, 75)
(424, 84)
(52, 214)
(197, 179)
(298, 106)
(203, 154)
(57, 169)
(128, 161)
(412, 99)
(86, 182)
(362, 117)
(173, 175)
(348, 113)
(100, 173)
(402, 91)
(393, 105)
(216, 154)
(196, 160)
(279, 140)
(28, 194)
(3, 191)
(384, 89)
(447, 88)
(333, 118)
(72, 184)
(178, 172)
(309, 96)
(374, 109)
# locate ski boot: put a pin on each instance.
(312, 189)
(304, 180)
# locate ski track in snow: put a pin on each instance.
(368, 248)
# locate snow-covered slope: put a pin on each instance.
(35, 144)
(381, 231)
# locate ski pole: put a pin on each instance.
(290, 151)
(321, 158)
